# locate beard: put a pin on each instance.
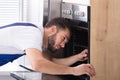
(51, 43)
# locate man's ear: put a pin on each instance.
(53, 29)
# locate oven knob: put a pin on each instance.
(78, 13)
(68, 12)
(63, 11)
(82, 14)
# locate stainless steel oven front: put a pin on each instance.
(79, 18)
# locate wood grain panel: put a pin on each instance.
(105, 39)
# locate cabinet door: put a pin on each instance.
(105, 39)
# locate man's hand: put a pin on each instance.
(84, 69)
(83, 55)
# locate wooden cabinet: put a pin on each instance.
(105, 39)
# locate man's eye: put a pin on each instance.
(63, 38)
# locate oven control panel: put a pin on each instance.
(75, 11)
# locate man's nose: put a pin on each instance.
(62, 44)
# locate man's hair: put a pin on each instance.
(59, 22)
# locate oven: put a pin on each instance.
(79, 18)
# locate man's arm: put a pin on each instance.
(66, 61)
(72, 59)
(41, 64)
